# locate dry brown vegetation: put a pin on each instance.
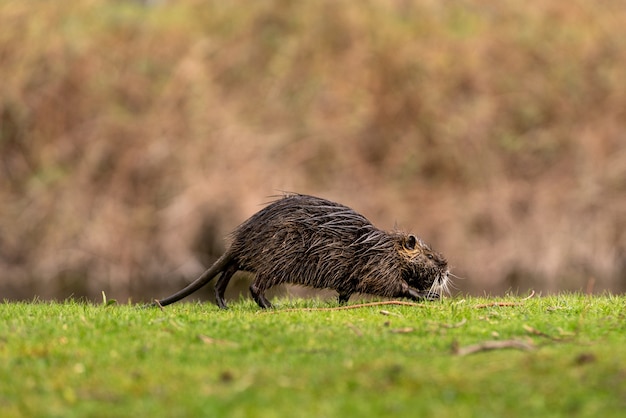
(133, 138)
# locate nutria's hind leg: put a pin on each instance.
(343, 297)
(222, 283)
(258, 294)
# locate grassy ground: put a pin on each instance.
(75, 359)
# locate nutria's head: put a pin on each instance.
(423, 268)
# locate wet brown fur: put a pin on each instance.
(314, 242)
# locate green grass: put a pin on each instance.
(75, 359)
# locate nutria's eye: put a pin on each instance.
(410, 242)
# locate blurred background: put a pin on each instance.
(134, 136)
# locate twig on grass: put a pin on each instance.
(214, 341)
(457, 325)
(535, 331)
(490, 345)
(405, 330)
(341, 308)
(387, 313)
(489, 305)
(492, 304)
(357, 331)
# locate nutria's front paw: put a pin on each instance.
(421, 295)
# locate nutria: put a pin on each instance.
(310, 241)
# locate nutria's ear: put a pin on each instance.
(410, 242)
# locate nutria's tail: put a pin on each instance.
(206, 277)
